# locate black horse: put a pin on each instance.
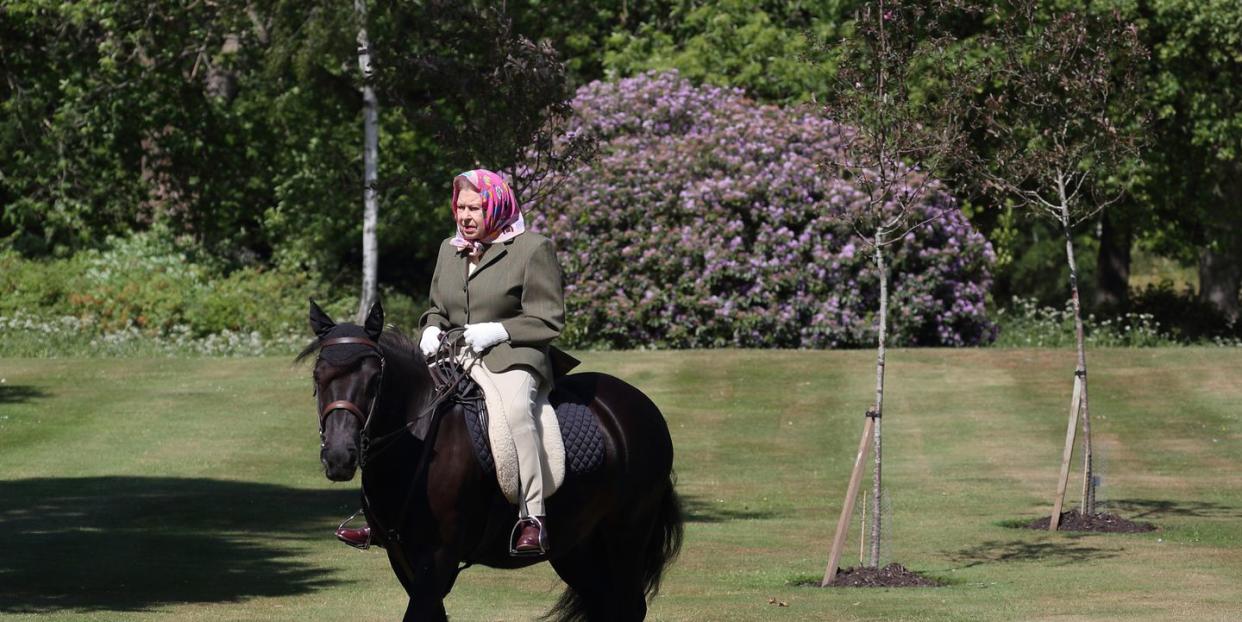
(613, 531)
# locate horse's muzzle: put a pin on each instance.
(340, 465)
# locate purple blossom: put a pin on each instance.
(704, 222)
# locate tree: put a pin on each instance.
(1194, 170)
(903, 130)
(1062, 117)
(235, 123)
(118, 114)
(763, 47)
(370, 123)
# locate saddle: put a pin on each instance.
(571, 436)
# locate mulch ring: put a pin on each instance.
(1102, 522)
(892, 575)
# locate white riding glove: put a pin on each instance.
(485, 335)
(430, 341)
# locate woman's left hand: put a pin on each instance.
(485, 335)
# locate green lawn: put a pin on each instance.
(190, 489)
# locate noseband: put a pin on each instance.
(364, 419)
(447, 377)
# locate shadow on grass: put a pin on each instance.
(134, 543)
(1156, 508)
(20, 393)
(1056, 553)
(699, 510)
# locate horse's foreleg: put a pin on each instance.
(433, 575)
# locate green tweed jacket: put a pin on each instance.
(518, 283)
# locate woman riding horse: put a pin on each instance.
(504, 286)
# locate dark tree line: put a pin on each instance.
(238, 121)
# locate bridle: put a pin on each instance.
(364, 419)
(446, 375)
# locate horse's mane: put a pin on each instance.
(393, 339)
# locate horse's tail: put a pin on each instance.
(665, 542)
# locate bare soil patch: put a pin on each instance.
(1104, 522)
(892, 575)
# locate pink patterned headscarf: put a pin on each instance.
(502, 220)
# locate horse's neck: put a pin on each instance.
(406, 381)
(407, 392)
(402, 397)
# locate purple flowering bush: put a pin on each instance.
(705, 222)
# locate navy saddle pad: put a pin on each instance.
(584, 440)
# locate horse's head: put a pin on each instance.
(348, 376)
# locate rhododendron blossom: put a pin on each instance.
(705, 221)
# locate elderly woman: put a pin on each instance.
(503, 284)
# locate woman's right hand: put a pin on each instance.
(430, 341)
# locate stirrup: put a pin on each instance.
(361, 547)
(543, 538)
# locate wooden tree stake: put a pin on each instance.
(847, 508)
(1063, 479)
(862, 532)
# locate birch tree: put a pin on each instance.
(1061, 117)
(370, 158)
(902, 129)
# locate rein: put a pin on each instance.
(445, 376)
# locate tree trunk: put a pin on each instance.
(1112, 275)
(882, 329)
(1080, 371)
(1220, 271)
(1220, 277)
(370, 200)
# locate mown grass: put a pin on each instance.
(189, 489)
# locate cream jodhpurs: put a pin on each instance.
(516, 393)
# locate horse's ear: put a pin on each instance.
(375, 321)
(320, 323)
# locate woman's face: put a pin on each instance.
(470, 214)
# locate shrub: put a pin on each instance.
(25, 335)
(1188, 319)
(149, 295)
(705, 222)
(1026, 324)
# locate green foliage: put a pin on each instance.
(766, 49)
(1196, 78)
(1157, 315)
(1188, 319)
(1193, 175)
(1037, 269)
(152, 287)
(237, 123)
(1186, 190)
(1025, 324)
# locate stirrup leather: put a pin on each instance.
(543, 538)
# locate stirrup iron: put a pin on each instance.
(362, 547)
(543, 538)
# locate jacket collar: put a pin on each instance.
(491, 255)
